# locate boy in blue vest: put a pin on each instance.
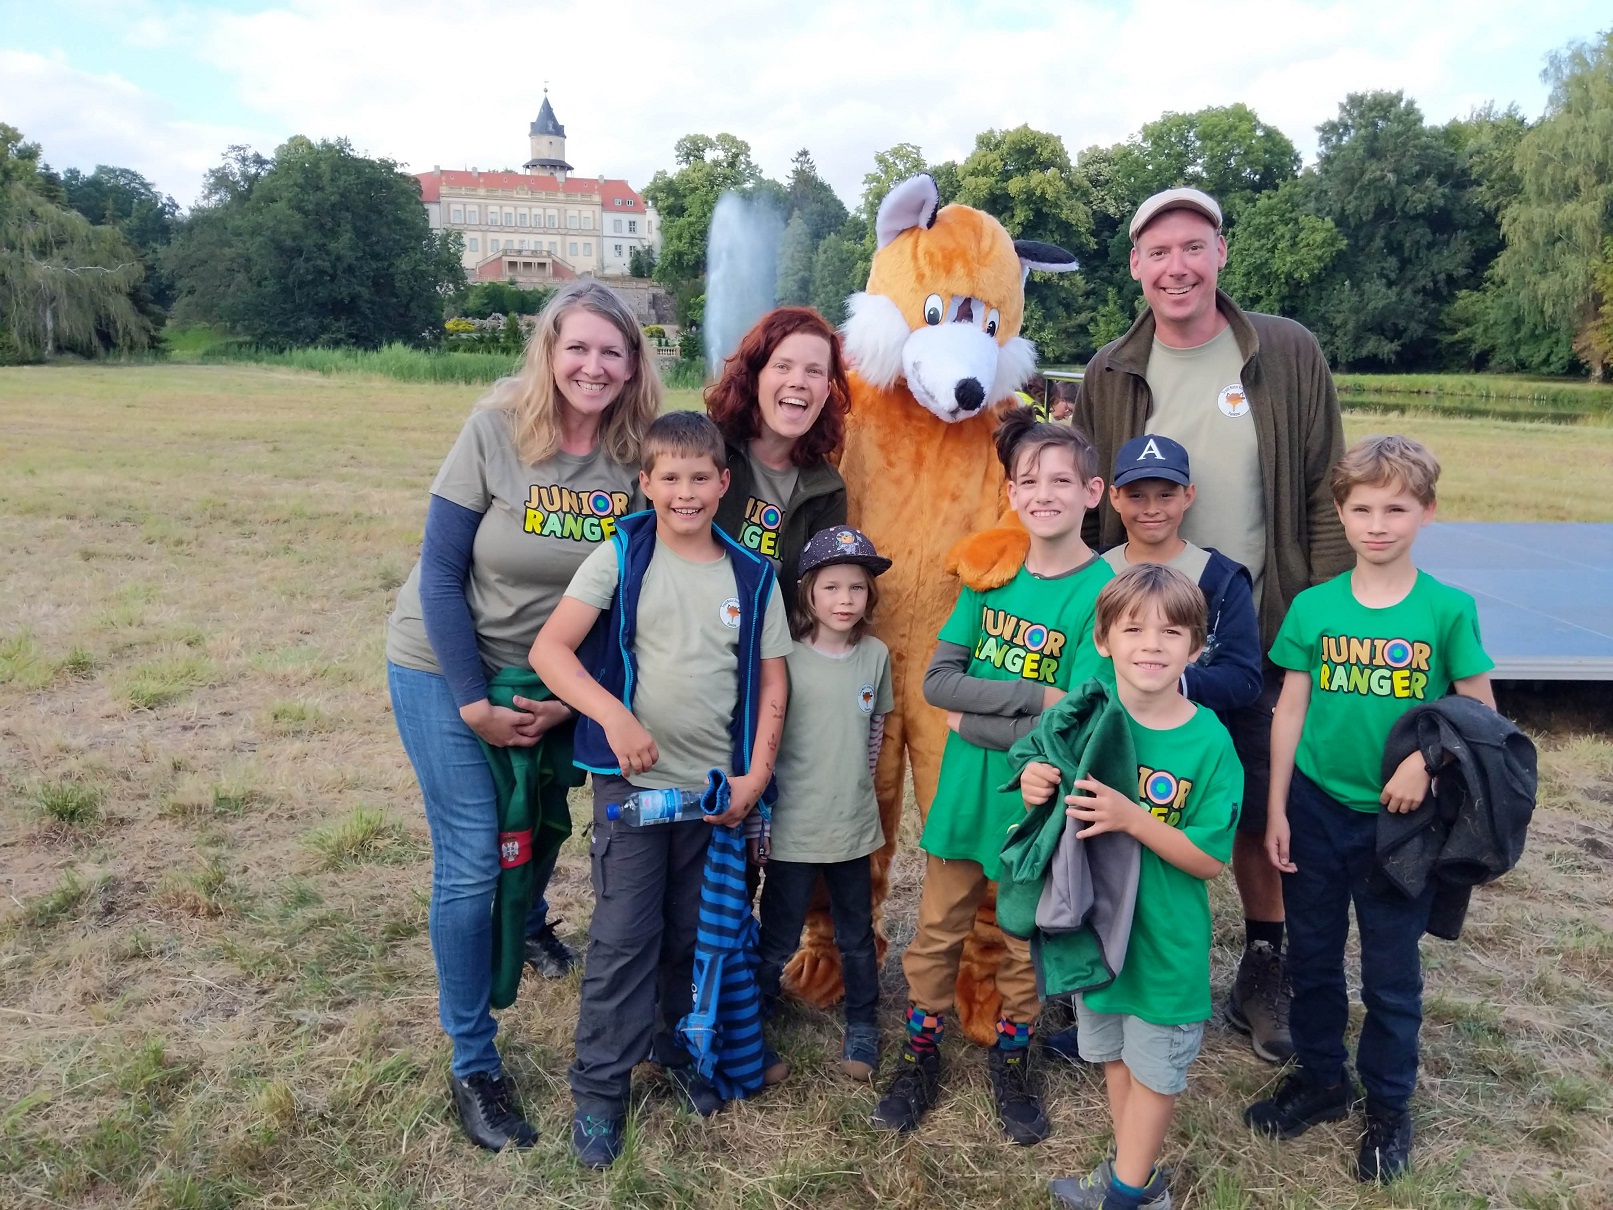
(685, 639)
(1360, 650)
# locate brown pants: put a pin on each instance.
(952, 891)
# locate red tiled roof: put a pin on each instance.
(611, 190)
(431, 184)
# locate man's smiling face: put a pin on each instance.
(1177, 258)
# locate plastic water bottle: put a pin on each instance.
(656, 806)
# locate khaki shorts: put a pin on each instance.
(1157, 1056)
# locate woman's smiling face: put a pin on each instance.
(794, 385)
(592, 362)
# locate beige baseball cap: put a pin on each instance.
(1175, 199)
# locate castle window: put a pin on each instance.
(573, 248)
(617, 250)
(492, 245)
(616, 226)
(571, 219)
(629, 201)
(470, 214)
(456, 214)
(521, 218)
(632, 226)
(473, 244)
(587, 249)
(492, 217)
(509, 218)
(553, 218)
(587, 220)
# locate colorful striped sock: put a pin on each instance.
(1013, 1035)
(924, 1029)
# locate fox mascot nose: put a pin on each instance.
(969, 394)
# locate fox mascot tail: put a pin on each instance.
(936, 352)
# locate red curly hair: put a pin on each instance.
(731, 401)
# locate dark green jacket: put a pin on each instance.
(819, 501)
(534, 820)
(1086, 733)
(1297, 427)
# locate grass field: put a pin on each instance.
(215, 983)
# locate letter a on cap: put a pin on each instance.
(1150, 451)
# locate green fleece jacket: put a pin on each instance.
(1072, 898)
(534, 820)
(1298, 430)
(819, 501)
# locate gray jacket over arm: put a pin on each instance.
(995, 713)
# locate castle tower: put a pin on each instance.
(548, 143)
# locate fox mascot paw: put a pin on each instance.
(935, 353)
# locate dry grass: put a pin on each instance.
(215, 983)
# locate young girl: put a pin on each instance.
(781, 405)
(1003, 657)
(826, 822)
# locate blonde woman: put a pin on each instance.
(544, 465)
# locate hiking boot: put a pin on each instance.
(1258, 1003)
(912, 1093)
(1298, 1104)
(859, 1053)
(595, 1141)
(695, 1094)
(1063, 1046)
(482, 1103)
(547, 955)
(1386, 1145)
(1019, 1109)
(1087, 1192)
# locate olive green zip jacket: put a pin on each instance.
(1298, 430)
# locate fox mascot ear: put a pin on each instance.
(913, 203)
(1047, 258)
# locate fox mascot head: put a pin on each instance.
(945, 302)
(935, 346)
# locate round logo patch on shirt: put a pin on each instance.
(729, 613)
(865, 699)
(1232, 401)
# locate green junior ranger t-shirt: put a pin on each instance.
(687, 644)
(1199, 401)
(826, 808)
(538, 524)
(765, 507)
(1032, 629)
(1190, 778)
(1367, 668)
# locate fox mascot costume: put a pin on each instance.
(935, 350)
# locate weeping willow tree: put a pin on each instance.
(66, 285)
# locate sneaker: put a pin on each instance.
(912, 1093)
(1386, 1145)
(1019, 1109)
(1063, 1046)
(549, 956)
(1298, 1104)
(595, 1141)
(1087, 1192)
(482, 1103)
(859, 1053)
(695, 1094)
(1258, 1004)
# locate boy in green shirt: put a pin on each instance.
(1003, 656)
(1146, 1027)
(1360, 650)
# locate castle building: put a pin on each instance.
(544, 223)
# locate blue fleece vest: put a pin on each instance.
(608, 652)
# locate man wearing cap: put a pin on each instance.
(1251, 399)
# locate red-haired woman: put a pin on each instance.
(781, 405)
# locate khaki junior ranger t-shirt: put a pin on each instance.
(1199, 402)
(687, 644)
(765, 507)
(826, 807)
(538, 524)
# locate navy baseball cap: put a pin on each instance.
(1151, 457)
(842, 544)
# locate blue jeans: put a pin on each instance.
(462, 814)
(1335, 849)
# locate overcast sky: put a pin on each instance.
(165, 88)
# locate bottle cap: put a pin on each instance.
(613, 810)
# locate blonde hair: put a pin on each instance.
(1144, 584)
(531, 398)
(1380, 461)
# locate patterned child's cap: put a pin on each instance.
(842, 544)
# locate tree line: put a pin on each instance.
(1483, 243)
